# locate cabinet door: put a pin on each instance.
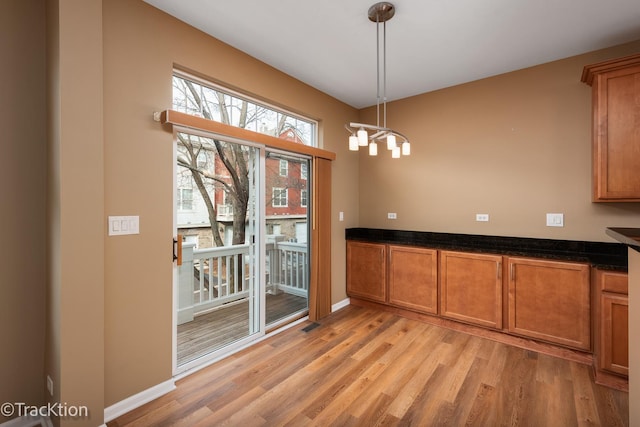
(616, 136)
(366, 271)
(413, 274)
(550, 301)
(614, 333)
(471, 288)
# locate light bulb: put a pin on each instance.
(353, 143)
(373, 149)
(363, 138)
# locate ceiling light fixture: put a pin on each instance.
(379, 13)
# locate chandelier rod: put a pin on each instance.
(379, 13)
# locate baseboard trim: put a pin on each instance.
(340, 304)
(137, 400)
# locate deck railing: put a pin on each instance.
(288, 267)
(210, 278)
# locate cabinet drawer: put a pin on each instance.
(612, 281)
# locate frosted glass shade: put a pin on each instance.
(395, 153)
(406, 148)
(363, 138)
(353, 143)
(391, 142)
(373, 149)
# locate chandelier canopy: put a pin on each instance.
(363, 135)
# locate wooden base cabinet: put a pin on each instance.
(471, 288)
(367, 271)
(611, 322)
(413, 278)
(550, 301)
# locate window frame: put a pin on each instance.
(228, 92)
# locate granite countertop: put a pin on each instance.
(628, 236)
(610, 256)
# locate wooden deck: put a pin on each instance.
(229, 323)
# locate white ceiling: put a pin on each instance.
(431, 44)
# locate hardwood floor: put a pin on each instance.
(364, 367)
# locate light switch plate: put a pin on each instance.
(121, 225)
(555, 220)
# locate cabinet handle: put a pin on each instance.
(513, 272)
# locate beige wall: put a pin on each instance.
(23, 192)
(141, 47)
(514, 146)
(75, 205)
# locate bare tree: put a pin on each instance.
(234, 180)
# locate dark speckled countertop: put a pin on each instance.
(628, 236)
(610, 256)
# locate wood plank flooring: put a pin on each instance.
(229, 323)
(364, 367)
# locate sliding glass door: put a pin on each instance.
(287, 236)
(242, 218)
(218, 302)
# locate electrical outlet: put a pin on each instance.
(50, 385)
(482, 217)
(392, 215)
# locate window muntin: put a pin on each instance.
(204, 99)
(284, 167)
(280, 198)
(185, 199)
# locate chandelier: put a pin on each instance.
(363, 135)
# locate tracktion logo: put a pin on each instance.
(55, 409)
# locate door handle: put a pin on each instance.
(177, 249)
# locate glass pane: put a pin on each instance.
(202, 100)
(217, 297)
(287, 241)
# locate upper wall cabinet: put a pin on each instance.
(616, 128)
